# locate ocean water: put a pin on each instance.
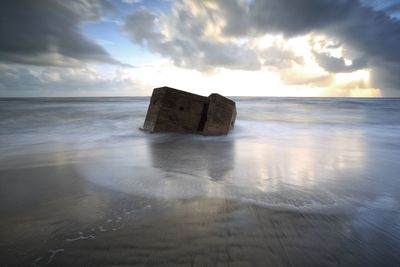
(299, 181)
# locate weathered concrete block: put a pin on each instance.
(172, 110)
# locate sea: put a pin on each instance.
(298, 182)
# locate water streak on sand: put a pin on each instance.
(80, 237)
(41, 261)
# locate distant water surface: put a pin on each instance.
(299, 182)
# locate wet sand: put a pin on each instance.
(53, 216)
(269, 194)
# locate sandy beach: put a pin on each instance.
(190, 133)
(88, 188)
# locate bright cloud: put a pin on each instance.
(233, 47)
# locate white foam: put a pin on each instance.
(80, 237)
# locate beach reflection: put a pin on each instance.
(166, 166)
(301, 171)
(305, 161)
(202, 157)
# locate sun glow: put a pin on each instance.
(289, 68)
(354, 84)
(362, 76)
(264, 82)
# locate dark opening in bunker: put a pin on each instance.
(203, 118)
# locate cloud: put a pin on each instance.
(294, 17)
(373, 34)
(362, 30)
(187, 40)
(386, 75)
(290, 77)
(335, 64)
(210, 34)
(312, 44)
(88, 10)
(23, 80)
(47, 33)
(391, 7)
(131, 2)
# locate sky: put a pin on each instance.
(312, 48)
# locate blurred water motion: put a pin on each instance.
(298, 182)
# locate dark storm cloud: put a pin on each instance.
(387, 76)
(370, 36)
(336, 65)
(393, 8)
(372, 33)
(46, 32)
(294, 17)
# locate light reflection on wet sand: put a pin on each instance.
(198, 202)
(315, 198)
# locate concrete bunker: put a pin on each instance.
(173, 110)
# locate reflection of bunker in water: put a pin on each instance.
(194, 157)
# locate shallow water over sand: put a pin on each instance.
(299, 182)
